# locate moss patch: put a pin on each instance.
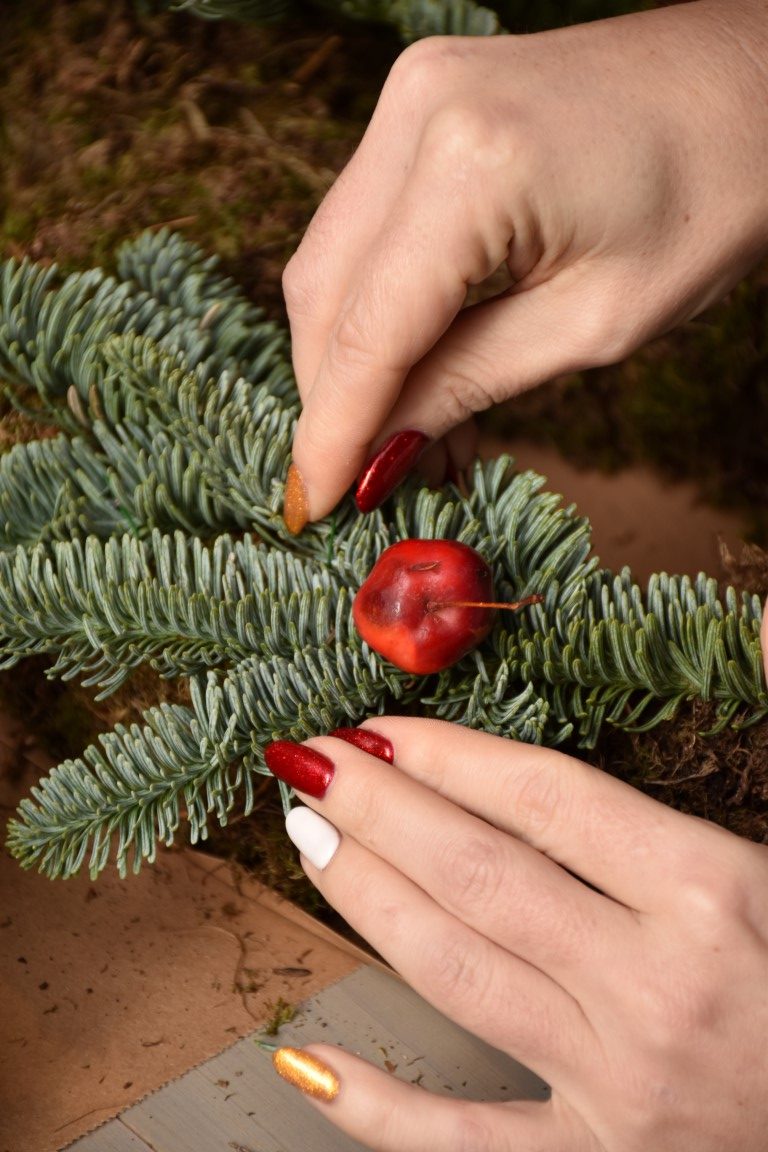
(114, 122)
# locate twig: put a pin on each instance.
(316, 60)
(319, 181)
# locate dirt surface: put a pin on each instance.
(232, 133)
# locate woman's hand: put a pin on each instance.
(618, 168)
(616, 947)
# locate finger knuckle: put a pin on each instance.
(677, 1014)
(420, 70)
(297, 291)
(471, 1130)
(351, 346)
(391, 922)
(716, 901)
(473, 873)
(462, 393)
(462, 134)
(365, 811)
(677, 1008)
(604, 334)
(455, 973)
(459, 139)
(714, 896)
(540, 800)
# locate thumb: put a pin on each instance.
(490, 351)
(504, 346)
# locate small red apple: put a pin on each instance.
(426, 603)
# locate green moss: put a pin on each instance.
(122, 122)
(280, 1012)
(17, 225)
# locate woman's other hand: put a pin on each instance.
(616, 947)
(619, 169)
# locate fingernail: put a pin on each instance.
(371, 742)
(300, 767)
(314, 836)
(388, 467)
(295, 501)
(306, 1072)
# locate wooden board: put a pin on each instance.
(112, 1137)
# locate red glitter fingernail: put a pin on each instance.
(371, 742)
(388, 467)
(300, 767)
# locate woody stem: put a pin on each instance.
(535, 599)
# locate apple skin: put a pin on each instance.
(406, 611)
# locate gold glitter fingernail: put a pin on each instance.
(295, 501)
(307, 1073)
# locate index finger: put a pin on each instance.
(369, 353)
(598, 827)
(411, 288)
(342, 232)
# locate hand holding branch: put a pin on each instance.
(618, 169)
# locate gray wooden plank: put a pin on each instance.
(235, 1101)
(337, 1018)
(381, 1019)
(196, 1113)
(475, 1070)
(110, 1137)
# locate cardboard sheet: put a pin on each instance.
(637, 518)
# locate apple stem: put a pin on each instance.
(535, 599)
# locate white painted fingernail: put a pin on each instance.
(314, 836)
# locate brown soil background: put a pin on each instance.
(115, 121)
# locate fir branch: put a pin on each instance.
(195, 451)
(261, 11)
(127, 793)
(415, 19)
(104, 609)
(169, 448)
(52, 338)
(632, 659)
(55, 490)
(179, 277)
